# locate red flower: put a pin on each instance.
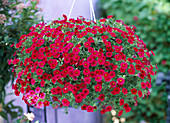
(103, 20)
(125, 105)
(90, 59)
(138, 67)
(65, 102)
(148, 85)
(152, 53)
(124, 65)
(56, 55)
(143, 85)
(116, 90)
(117, 57)
(46, 103)
(141, 54)
(90, 39)
(113, 84)
(109, 54)
(134, 91)
(87, 44)
(83, 107)
(76, 57)
(86, 91)
(121, 102)
(90, 49)
(140, 93)
(16, 92)
(89, 108)
(120, 81)
(118, 41)
(120, 113)
(78, 98)
(117, 49)
(67, 59)
(109, 16)
(101, 61)
(39, 71)
(101, 97)
(15, 61)
(56, 90)
(98, 78)
(76, 50)
(87, 80)
(86, 64)
(42, 83)
(112, 74)
(128, 109)
(108, 108)
(41, 64)
(124, 91)
(76, 72)
(98, 88)
(94, 63)
(22, 90)
(135, 18)
(32, 81)
(131, 71)
(130, 60)
(103, 111)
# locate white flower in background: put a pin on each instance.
(29, 116)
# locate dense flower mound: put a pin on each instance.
(99, 65)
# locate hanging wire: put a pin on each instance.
(92, 10)
(71, 8)
(92, 14)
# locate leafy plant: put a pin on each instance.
(81, 63)
(152, 19)
(16, 17)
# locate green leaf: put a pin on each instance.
(4, 115)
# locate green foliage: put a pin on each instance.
(152, 19)
(152, 109)
(15, 19)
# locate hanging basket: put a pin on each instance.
(100, 65)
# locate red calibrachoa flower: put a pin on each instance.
(83, 107)
(65, 102)
(78, 61)
(120, 113)
(101, 97)
(39, 71)
(120, 81)
(98, 78)
(131, 71)
(46, 103)
(121, 102)
(76, 72)
(98, 88)
(103, 111)
(124, 91)
(134, 91)
(89, 108)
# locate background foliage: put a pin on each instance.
(16, 17)
(152, 19)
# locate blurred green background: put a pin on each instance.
(152, 20)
